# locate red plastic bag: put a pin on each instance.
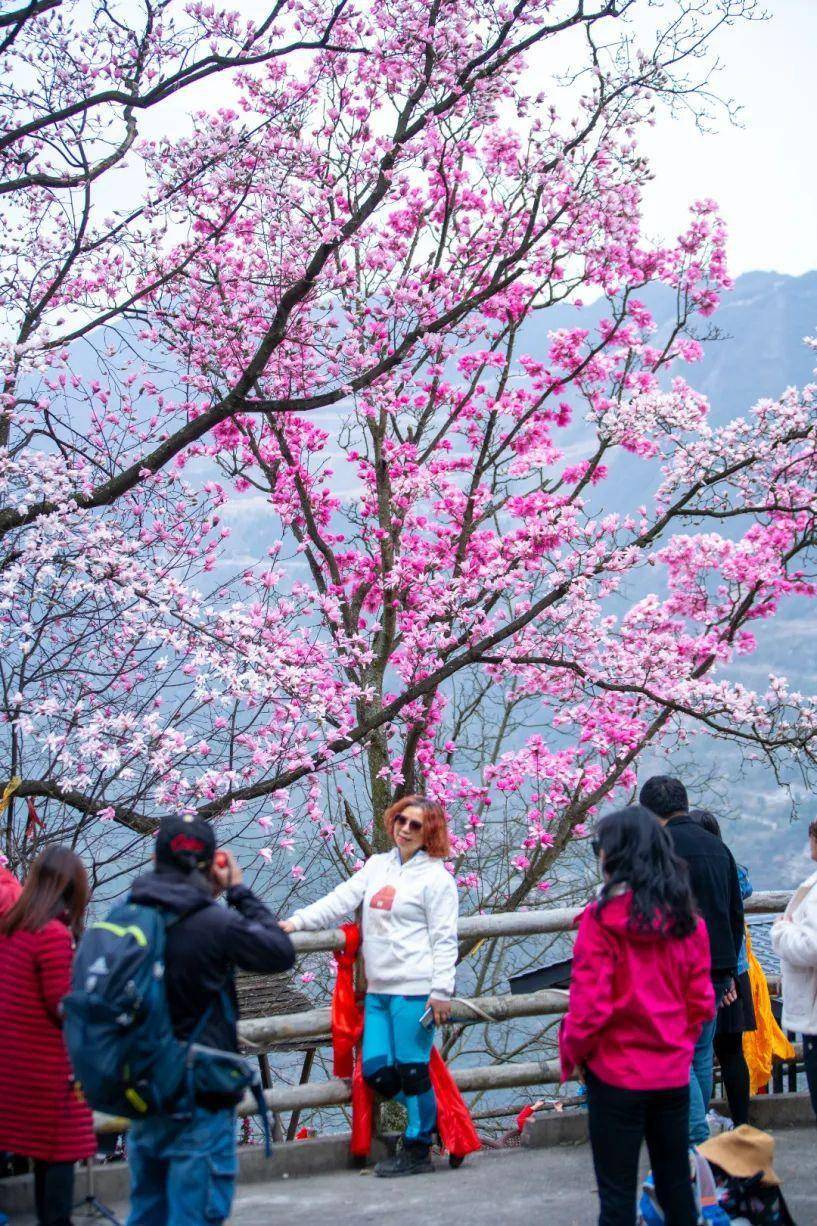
(456, 1129)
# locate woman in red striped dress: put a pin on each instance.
(42, 1114)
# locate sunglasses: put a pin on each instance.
(410, 823)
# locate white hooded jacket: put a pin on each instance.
(795, 943)
(409, 926)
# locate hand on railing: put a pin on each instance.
(440, 1009)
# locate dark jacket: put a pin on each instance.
(207, 944)
(713, 876)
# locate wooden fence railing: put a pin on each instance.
(313, 1025)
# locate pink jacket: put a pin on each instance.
(637, 1001)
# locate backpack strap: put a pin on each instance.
(786, 1218)
(255, 1085)
(193, 1047)
(252, 1074)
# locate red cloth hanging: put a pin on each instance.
(457, 1132)
(362, 1111)
(456, 1129)
(347, 1015)
(34, 822)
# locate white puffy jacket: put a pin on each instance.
(410, 916)
(795, 943)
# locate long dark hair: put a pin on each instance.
(638, 853)
(702, 817)
(56, 887)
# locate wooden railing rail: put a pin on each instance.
(313, 1024)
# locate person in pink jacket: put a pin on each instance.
(640, 991)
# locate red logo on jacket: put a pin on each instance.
(383, 900)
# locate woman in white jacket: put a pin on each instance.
(794, 939)
(409, 929)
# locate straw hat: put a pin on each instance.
(743, 1152)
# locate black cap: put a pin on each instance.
(186, 843)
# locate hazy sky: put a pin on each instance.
(763, 175)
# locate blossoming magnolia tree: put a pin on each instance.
(368, 218)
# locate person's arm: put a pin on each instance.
(53, 963)
(253, 939)
(736, 918)
(699, 994)
(796, 940)
(746, 889)
(335, 906)
(442, 914)
(591, 993)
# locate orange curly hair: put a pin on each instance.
(435, 826)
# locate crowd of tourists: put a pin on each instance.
(660, 983)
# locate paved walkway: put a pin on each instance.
(517, 1186)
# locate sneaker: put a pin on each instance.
(410, 1160)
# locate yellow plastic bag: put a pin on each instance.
(760, 1046)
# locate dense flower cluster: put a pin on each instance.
(326, 313)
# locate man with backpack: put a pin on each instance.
(165, 962)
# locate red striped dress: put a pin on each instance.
(42, 1114)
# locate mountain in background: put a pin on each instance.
(764, 320)
(762, 323)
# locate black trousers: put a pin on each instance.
(619, 1121)
(53, 1192)
(810, 1065)
(735, 1074)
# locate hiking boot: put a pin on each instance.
(411, 1159)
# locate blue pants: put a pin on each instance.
(396, 1049)
(700, 1080)
(182, 1173)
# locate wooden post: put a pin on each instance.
(777, 1076)
(294, 1119)
(266, 1082)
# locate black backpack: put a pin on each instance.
(118, 1031)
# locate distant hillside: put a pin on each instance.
(763, 322)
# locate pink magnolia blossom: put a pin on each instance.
(306, 488)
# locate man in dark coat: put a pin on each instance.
(185, 1171)
(713, 876)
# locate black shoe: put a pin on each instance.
(411, 1160)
